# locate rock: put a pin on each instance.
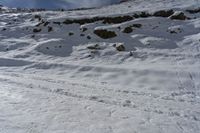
(105, 34)
(95, 47)
(50, 29)
(33, 36)
(82, 34)
(84, 29)
(174, 30)
(71, 33)
(46, 23)
(193, 11)
(38, 17)
(82, 21)
(144, 15)
(128, 30)
(120, 47)
(37, 30)
(39, 24)
(89, 37)
(109, 20)
(4, 29)
(163, 13)
(117, 20)
(178, 16)
(58, 23)
(137, 25)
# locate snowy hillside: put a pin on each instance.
(126, 68)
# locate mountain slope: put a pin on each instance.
(131, 67)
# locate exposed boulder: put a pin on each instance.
(117, 20)
(128, 30)
(120, 47)
(193, 11)
(38, 17)
(82, 21)
(105, 34)
(163, 13)
(178, 16)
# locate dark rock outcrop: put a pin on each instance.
(178, 16)
(163, 13)
(105, 34)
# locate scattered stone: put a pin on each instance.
(58, 23)
(95, 47)
(84, 29)
(137, 25)
(175, 30)
(33, 36)
(38, 17)
(46, 23)
(105, 34)
(50, 28)
(4, 29)
(71, 33)
(37, 30)
(114, 45)
(82, 34)
(131, 53)
(93, 98)
(120, 47)
(88, 37)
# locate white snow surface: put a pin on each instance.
(70, 81)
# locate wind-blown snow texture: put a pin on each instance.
(118, 69)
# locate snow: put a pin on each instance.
(72, 81)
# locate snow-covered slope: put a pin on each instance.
(131, 67)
